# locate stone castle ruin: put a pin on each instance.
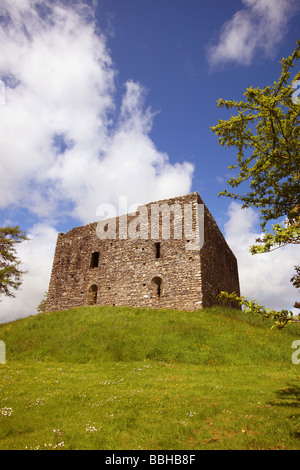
(167, 254)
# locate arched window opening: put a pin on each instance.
(157, 286)
(92, 294)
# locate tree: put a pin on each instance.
(41, 308)
(281, 319)
(10, 272)
(266, 134)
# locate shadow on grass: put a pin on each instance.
(290, 397)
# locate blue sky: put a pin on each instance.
(117, 97)
(165, 46)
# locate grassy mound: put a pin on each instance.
(123, 378)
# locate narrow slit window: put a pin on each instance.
(157, 250)
(158, 290)
(95, 259)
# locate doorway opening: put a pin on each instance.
(92, 294)
(157, 286)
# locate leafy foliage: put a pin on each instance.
(10, 272)
(266, 134)
(251, 306)
(41, 308)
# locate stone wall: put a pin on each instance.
(142, 271)
(219, 269)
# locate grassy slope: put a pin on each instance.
(122, 378)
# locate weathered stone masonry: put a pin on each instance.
(158, 273)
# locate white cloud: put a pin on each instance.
(66, 144)
(37, 257)
(259, 27)
(263, 277)
(63, 139)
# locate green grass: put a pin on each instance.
(123, 378)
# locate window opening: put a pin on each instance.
(157, 250)
(95, 259)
